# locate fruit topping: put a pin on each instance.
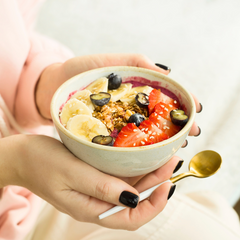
(178, 117)
(142, 100)
(101, 98)
(154, 133)
(130, 95)
(86, 127)
(103, 140)
(166, 126)
(154, 98)
(114, 81)
(136, 118)
(116, 94)
(84, 96)
(99, 85)
(72, 108)
(131, 136)
(164, 110)
(132, 114)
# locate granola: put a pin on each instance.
(116, 114)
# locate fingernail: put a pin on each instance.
(163, 67)
(186, 143)
(129, 199)
(171, 191)
(199, 132)
(180, 163)
(201, 108)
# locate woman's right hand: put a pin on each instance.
(44, 166)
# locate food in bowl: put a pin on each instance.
(122, 161)
(130, 114)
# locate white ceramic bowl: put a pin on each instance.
(119, 161)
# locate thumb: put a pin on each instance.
(102, 186)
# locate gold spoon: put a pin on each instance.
(202, 165)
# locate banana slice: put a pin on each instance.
(84, 96)
(130, 96)
(116, 94)
(99, 85)
(73, 107)
(86, 127)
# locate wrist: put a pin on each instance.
(49, 81)
(10, 160)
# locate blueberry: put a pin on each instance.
(178, 117)
(142, 100)
(100, 99)
(114, 81)
(103, 140)
(136, 118)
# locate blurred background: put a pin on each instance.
(198, 40)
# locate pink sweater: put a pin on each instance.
(24, 55)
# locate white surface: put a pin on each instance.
(199, 40)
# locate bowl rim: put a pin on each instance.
(182, 132)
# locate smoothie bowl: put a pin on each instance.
(124, 121)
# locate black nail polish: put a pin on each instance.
(129, 199)
(201, 108)
(186, 143)
(180, 163)
(172, 189)
(163, 67)
(199, 132)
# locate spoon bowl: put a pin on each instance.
(202, 165)
(205, 163)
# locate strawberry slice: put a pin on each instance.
(154, 133)
(168, 100)
(166, 126)
(154, 98)
(131, 136)
(164, 110)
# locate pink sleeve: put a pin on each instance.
(43, 52)
(19, 209)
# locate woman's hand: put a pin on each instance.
(48, 169)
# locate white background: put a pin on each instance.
(198, 40)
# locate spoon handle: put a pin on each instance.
(181, 176)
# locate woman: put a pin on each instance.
(36, 167)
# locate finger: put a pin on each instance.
(160, 175)
(84, 63)
(135, 60)
(132, 219)
(104, 187)
(145, 62)
(151, 207)
(195, 130)
(82, 207)
(132, 180)
(199, 106)
(185, 143)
